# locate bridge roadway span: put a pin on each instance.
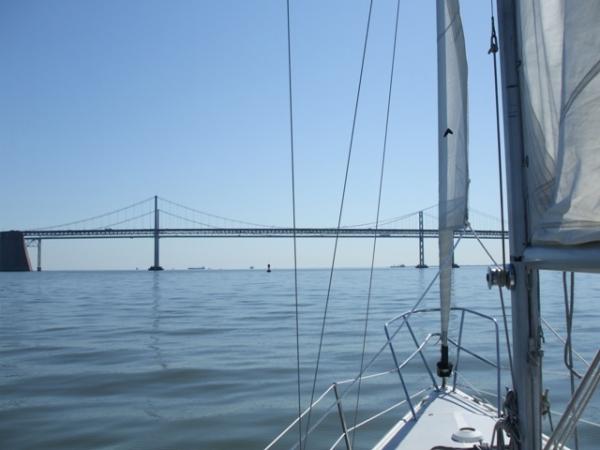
(109, 233)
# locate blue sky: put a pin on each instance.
(104, 103)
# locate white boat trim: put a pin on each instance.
(441, 418)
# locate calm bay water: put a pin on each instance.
(207, 360)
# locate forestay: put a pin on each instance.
(561, 120)
(453, 141)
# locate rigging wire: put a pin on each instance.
(291, 117)
(414, 307)
(569, 296)
(586, 421)
(504, 319)
(385, 139)
(362, 66)
(353, 381)
(561, 339)
(569, 307)
(494, 51)
(510, 362)
(485, 249)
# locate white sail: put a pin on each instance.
(561, 118)
(453, 141)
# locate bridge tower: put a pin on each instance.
(156, 265)
(421, 264)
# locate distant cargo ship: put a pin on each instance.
(197, 268)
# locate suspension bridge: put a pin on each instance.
(158, 218)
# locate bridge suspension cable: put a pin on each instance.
(145, 208)
(204, 213)
(131, 219)
(391, 220)
(196, 222)
(482, 219)
(486, 215)
(100, 216)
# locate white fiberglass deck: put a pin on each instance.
(439, 416)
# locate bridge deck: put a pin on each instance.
(108, 233)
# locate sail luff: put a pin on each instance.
(452, 143)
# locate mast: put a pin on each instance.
(525, 294)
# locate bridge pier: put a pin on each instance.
(421, 264)
(13, 252)
(156, 265)
(39, 255)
